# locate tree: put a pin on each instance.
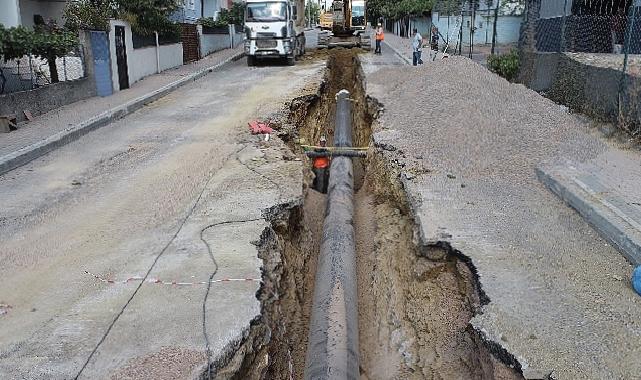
(398, 9)
(145, 16)
(51, 42)
(312, 12)
(148, 16)
(89, 14)
(46, 40)
(512, 7)
(237, 13)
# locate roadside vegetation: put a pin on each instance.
(233, 16)
(505, 65)
(46, 40)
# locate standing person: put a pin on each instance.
(417, 45)
(320, 167)
(434, 42)
(380, 37)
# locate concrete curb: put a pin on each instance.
(398, 53)
(625, 237)
(29, 153)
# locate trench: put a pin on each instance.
(415, 302)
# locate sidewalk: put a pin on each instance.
(605, 192)
(58, 127)
(402, 47)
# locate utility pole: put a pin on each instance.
(472, 27)
(496, 18)
(563, 20)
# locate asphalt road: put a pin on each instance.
(133, 199)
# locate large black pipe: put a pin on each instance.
(332, 351)
(338, 153)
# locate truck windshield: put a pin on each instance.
(358, 11)
(268, 11)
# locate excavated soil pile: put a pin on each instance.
(468, 144)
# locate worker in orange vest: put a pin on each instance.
(380, 37)
(320, 167)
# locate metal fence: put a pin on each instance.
(31, 72)
(600, 41)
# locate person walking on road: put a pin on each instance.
(434, 43)
(380, 37)
(417, 46)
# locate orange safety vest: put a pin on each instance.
(321, 162)
(380, 35)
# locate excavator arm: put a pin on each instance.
(349, 27)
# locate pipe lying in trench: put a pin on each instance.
(332, 351)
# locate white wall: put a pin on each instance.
(210, 43)
(144, 61)
(171, 56)
(46, 9)
(507, 29)
(9, 13)
(238, 38)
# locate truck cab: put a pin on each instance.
(359, 21)
(274, 29)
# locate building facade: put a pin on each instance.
(23, 12)
(191, 10)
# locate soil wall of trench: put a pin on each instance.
(415, 302)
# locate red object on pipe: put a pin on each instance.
(258, 127)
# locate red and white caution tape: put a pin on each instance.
(175, 283)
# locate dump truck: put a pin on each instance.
(326, 20)
(274, 29)
(349, 26)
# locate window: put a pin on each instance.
(268, 11)
(358, 11)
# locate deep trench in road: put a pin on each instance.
(415, 303)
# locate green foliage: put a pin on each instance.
(47, 43)
(505, 65)
(237, 13)
(15, 42)
(145, 16)
(210, 22)
(89, 14)
(233, 16)
(149, 16)
(224, 17)
(395, 9)
(312, 11)
(512, 7)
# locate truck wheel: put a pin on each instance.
(291, 61)
(366, 42)
(251, 60)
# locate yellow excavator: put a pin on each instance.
(349, 26)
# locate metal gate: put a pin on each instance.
(121, 58)
(101, 63)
